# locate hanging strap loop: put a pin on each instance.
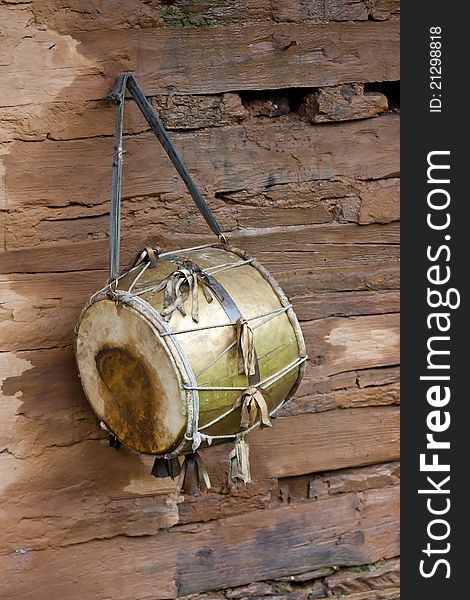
(116, 96)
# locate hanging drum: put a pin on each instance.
(186, 349)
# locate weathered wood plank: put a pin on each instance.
(316, 394)
(42, 225)
(69, 120)
(40, 311)
(137, 15)
(362, 378)
(373, 202)
(72, 494)
(134, 14)
(373, 275)
(335, 10)
(258, 156)
(380, 202)
(378, 377)
(328, 399)
(327, 440)
(220, 503)
(345, 344)
(45, 403)
(359, 529)
(370, 396)
(270, 56)
(340, 481)
(348, 581)
(342, 103)
(346, 304)
(364, 478)
(291, 205)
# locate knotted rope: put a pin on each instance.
(245, 347)
(253, 406)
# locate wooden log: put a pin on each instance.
(357, 480)
(346, 304)
(370, 396)
(378, 376)
(340, 481)
(372, 202)
(380, 202)
(30, 226)
(134, 14)
(219, 504)
(314, 402)
(70, 120)
(78, 172)
(40, 311)
(342, 103)
(336, 10)
(73, 497)
(45, 407)
(374, 275)
(380, 577)
(353, 343)
(361, 378)
(280, 55)
(310, 448)
(314, 203)
(360, 529)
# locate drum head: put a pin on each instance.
(130, 378)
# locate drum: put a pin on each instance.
(188, 349)
(185, 349)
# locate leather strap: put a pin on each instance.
(117, 96)
(253, 406)
(228, 304)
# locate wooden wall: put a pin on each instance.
(287, 115)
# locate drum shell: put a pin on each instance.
(277, 337)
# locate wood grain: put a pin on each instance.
(327, 440)
(270, 56)
(237, 83)
(342, 530)
(255, 157)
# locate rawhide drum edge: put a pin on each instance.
(162, 370)
(186, 349)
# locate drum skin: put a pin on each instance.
(137, 382)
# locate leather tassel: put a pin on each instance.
(245, 347)
(166, 467)
(181, 285)
(239, 463)
(253, 406)
(193, 475)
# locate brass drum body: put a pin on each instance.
(147, 379)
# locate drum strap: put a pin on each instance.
(117, 96)
(231, 310)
